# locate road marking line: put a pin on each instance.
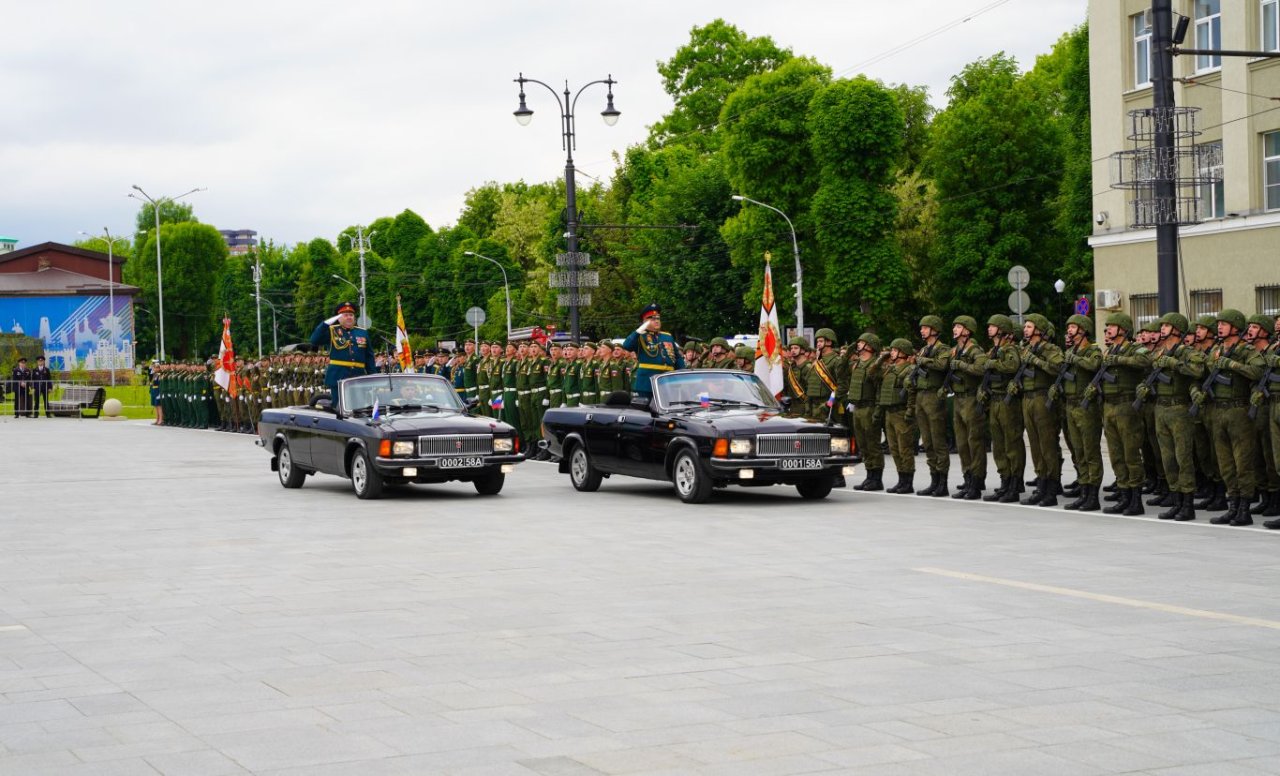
(1110, 599)
(5, 628)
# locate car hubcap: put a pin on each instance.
(685, 475)
(358, 474)
(286, 463)
(579, 466)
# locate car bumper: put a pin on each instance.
(395, 467)
(771, 469)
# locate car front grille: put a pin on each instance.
(456, 444)
(778, 445)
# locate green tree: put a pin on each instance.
(480, 209)
(193, 255)
(317, 292)
(170, 213)
(856, 133)
(917, 114)
(702, 74)
(995, 158)
(1073, 204)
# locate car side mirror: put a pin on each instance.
(322, 402)
(471, 403)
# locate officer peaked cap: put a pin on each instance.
(650, 312)
(345, 307)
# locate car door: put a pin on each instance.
(641, 445)
(600, 432)
(296, 427)
(329, 434)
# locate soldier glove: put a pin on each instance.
(1257, 399)
(546, 402)
(1014, 388)
(1090, 392)
(1197, 395)
(1111, 359)
(849, 407)
(1143, 392)
(331, 320)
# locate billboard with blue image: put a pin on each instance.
(78, 331)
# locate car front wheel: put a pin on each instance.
(365, 480)
(692, 486)
(815, 489)
(290, 475)
(582, 474)
(489, 484)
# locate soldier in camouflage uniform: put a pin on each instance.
(968, 362)
(864, 386)
(1152, 463)
(896, 406)
(1212, 491)
(1043, 359)
(1081, 362)
(720, 357)
(931, 408)
(1270, 406)
(1127, 362)
(692, 355)
(746, 359)
(1004, 359)
(1233, 367)
(829, 371)
(1258, 335)
(1176, 368)
(795, 377)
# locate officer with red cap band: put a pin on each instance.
(350, 348)
(656, 351)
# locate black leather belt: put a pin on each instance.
(1171, 401)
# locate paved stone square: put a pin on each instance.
(167, 608)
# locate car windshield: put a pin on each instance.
(695, 388)
(399, 394)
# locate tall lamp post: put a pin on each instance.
(361, 244)
(505, 285)
(155, 206)
(359, 292)
(111, 289)
(795, 248)
(275, 343)
(569, 142)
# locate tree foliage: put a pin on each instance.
(192, 255)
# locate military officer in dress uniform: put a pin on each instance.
(656, 351)
(350, 349)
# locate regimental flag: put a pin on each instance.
(404, 353)
(225, 373)
(769, 347)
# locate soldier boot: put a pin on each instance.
(1053, 486)
(1227, 518)
(1005, 484)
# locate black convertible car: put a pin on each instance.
(703, 429)
(389, 430)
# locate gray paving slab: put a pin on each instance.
(174, 611)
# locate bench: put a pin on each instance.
(78, 399)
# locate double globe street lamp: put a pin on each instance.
(505, 285)
(568, 142)
(155, 206)
(795, 248)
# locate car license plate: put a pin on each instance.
(799, 463)
(461, 463)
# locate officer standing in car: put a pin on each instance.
(350, 349)
(656, 351)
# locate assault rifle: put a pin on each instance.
(1263, 387)
(917, 372)
(1025, 369)
(950, 376)
(984, 389)
(1102, 375)
(1157, 376)
(1215, 377)
(1064, 373)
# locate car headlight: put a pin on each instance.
(839, 444)
(402, 448)
(740, 446)
(503, 444)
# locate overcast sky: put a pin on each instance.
(302, 118)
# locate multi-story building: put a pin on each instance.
(239, 241)
(1232, 258)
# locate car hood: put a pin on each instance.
(443, 423)
(744, 421)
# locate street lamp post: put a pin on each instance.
(505, 285)
(257, 293)
(275, 332)
(361, 244)
(111, 290)
(359, 294)
(155, 206)
(568, 142)
(795, 248)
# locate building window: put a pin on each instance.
(1271, 25)
(1271, 170)
(1206, 302)
(1268, 300)
(1142, 49)
(1212, 194)
(1144, 308)
(1208, 33)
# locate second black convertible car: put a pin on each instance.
(389, 430)
(703, 429)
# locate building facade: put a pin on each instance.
(1232, 258)
(239, 241)
(73, 301)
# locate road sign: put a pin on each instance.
(1019, 278)
(1082, 306)
(475, 316)
(1019, 302)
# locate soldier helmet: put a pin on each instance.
(690, 345)
(1083, 321)
(932, 321)
(871, 340)
(1177, 321)
(801, 342)
(966, 321)
(903, 346)
(1002, 322)
(745, 352)
(1206, 321)
(1122, 320)
(721, 341)
(1264, 321)
(1151, 326)
(1233, 317)
(1040, 322)
(826, 334)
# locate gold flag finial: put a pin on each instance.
(767, 257)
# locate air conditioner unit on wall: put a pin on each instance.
(1108, 299)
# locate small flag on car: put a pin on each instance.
(831, 400)
(704, 399)
(496, 403)
(375, 409)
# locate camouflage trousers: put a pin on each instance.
(902, 439)
(1006, 437)
(931, 416)
(1269, 476)
(1084, 428)
(1042, 435)
(971, 435)
(866, 432)
(1122, 425)
(1235, 442)
(1206, 461)
(1152, 460)
(1176, 437)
